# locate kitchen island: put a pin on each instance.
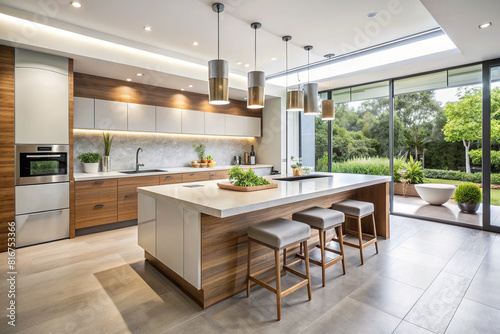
(195, 234)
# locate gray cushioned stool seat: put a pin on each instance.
(354, 208)
(319, 217)
(279, 232)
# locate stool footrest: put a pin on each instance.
(294, 288)
(295, 272)
(262, 283)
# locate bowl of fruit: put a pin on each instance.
(195, 164)
(210, 162)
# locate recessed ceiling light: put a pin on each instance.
(128, 79)
(190, 86)
(196, 43)
(247, 65)
(244, 98)
(148, 28)
(372, 14)
(139, 74)
(76, 4)
(273, 58)
(182, 88)
(238, 63)
(485, 25)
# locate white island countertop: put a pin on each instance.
(166, 170)
(206, 197)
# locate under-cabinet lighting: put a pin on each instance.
(128, 79)
(125, 132)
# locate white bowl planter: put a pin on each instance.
(435, 193)
(91, 167)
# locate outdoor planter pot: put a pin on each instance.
(435, 193)
(410, 190)
(468, 208)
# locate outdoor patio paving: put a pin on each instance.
(449, 211)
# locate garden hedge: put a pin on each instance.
(459, 176)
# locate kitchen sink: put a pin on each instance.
(143, 171)
(304, 177)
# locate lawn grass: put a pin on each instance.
(495, 193)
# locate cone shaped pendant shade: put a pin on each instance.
(310, 91)
(294, 98)
(256, 80)
(328, 110)
(218, 71)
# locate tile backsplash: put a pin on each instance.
(159, 150)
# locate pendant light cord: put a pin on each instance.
(255, 57)
(308, 66)
(218, 33)
(286, 69)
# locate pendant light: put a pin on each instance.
(294, 98)
(218, 71)
(256, 80)
(310, 91)
(328, 106)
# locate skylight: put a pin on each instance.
(376, 58)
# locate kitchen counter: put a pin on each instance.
(168, 170)
(196, 234)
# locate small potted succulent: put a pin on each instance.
(297, 166)
(90, 161)
(468, 196)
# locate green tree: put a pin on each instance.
(416, 110)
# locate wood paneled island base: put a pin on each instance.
(224, 243)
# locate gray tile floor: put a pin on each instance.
(427, 278)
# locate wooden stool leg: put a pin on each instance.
(248, 266)
(340, 238)
(278, 282)
(360, 234)
(306, 256)
(284, 258)
(375, 231)
(322, 245)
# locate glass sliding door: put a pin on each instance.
(491, 194)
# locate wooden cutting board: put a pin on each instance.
(228, 186)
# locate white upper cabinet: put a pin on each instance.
(193, 122)
(41, 98)
(215, 124)
(110, 115)
(168, 120)
(83, 113)
(253, 127)
(141, 117)
(235, 125)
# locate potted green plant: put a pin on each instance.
(406, 175)
(297, 166)
(90, 161)
(468, 196)
(106, 159)
(200, 150)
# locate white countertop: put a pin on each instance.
(212, 200)
(167, 170)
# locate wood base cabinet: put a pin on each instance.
(95, 203)
(127, 194)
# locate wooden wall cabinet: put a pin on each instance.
(83, 113)
(110, 115)
(127, 194)
(141, 117)
(95, 203)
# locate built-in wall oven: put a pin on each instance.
(42, 193)
(37, 164)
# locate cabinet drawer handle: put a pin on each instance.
(130, 196)
(98, 182)
(192, 174)
(168, 177)
(99, 206)
(212, 174)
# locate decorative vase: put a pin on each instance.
(91, 167)
(106, 163)
(297, 171)
(468, 208)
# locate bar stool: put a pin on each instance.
(322, 220)
(358, 210)
(278, 234)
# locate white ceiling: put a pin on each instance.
(336, 26)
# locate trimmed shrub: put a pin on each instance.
(459, 176)
(468, 193)
(370, 166)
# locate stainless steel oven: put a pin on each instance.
(36, 164)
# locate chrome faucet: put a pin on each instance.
(137, 164)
